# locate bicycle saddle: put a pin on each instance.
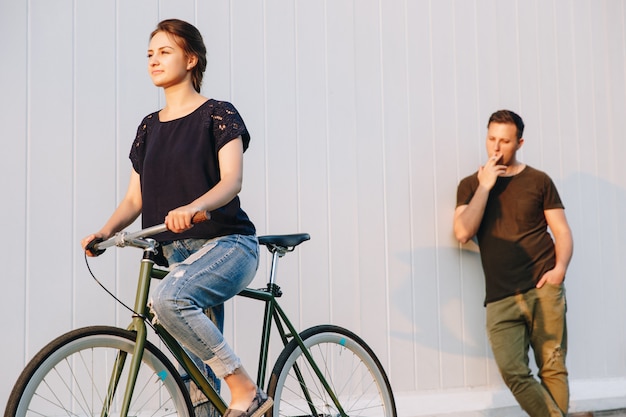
(284, 241)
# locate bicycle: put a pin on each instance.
(324, 370)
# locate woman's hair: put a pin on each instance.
(188, 37)
(507, 116)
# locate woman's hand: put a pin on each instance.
(88, 239)
(126, 212)
(179, 220)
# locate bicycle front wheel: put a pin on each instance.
(72, 376)
(348, 365)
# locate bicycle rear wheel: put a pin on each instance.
(71, 377)
(349, 366)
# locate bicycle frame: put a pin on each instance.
(273, 313)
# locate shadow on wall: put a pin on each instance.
(595, 284)
(446, 313)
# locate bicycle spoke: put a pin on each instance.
(348, 367)
(84, 374)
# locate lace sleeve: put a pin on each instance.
(227, 124)
(138, 148)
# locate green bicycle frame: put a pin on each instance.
(273, 312)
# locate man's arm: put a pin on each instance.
(563, 246)
(467, 217)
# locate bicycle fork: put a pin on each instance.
(139, 326)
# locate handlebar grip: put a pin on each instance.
(200, 217)
(91, 247)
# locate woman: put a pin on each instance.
(187, 158)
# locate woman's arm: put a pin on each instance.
(126, 212)
(230, 158)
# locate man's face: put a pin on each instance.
(502, 142)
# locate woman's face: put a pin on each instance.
(167, 63)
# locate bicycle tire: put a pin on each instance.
(70, 376)
(348, 364)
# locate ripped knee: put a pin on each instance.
(556, 355)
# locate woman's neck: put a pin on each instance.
(180, 100)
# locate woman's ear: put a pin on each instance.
(192, 61)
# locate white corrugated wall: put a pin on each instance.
(364, 115)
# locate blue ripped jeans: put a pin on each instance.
(203, 275)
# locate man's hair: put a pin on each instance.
(188, 37)
(507, 116)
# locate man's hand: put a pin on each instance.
(489, 173)
(552, 277)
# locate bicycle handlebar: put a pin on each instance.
(122, 239)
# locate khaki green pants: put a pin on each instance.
(534, 319)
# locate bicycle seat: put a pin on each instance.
(284, 241)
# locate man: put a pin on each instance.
(507, 207)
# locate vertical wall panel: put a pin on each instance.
(311, 137)
(469, 151)
(95, 152)
(449, 288)
(529, 81)
(50, 173)
(616, 40)
(487, 57)
(397, 184)
(578, 180)
(601, 158)
(606, 167)
(342, 248)
(587, 240)
(373, 260)
(178, 9)
(548, 126)
(283, 142)
(567, 153)
(423, 284)
(507, 69)
(136, 97)
(214, 22)
(13, 180)
(248, 92)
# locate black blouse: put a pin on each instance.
(177, 162)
